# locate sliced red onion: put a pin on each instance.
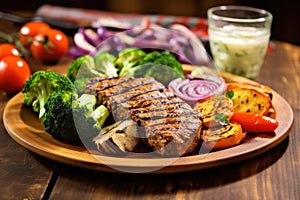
(194, 90)
(82, 44)
(90, 36)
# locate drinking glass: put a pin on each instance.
(238, 38)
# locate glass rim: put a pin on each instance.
(268, 15)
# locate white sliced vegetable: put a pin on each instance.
(82, 44)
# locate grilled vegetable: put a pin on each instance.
(215, 110)
(252, 122)
(250, 100)
(122, 135)
(256, 86)
(222, 137)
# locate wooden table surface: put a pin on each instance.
(274, 174)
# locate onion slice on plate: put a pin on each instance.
(193, 90)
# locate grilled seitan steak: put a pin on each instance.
(165, 123)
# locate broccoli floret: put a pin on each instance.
(163, 58)
(80, 84)
(83, 67)
(127, 59)
(86, 102)
(89, 118)
(40, 85)
(58, 118)
(159, 72)
(104, 62)
(100, 114)
(71, 119)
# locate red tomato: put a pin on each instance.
(50, 46)
(14, 71)
(31, 29)
(252, 122)
(7, 49)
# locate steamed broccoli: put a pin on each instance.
(100, 114)
(83, 67)
(127, 59)
(104, 62)
(163, 58)
(162, 66)
(161, 73)
(41, 84)
(58, 118)
(71, 119)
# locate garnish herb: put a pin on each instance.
(229, 94)
(222, 119)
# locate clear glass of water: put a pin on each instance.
(238, 38)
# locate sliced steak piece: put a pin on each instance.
(164, 122)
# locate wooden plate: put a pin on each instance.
(26, 129)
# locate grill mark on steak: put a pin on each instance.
(123, 110)
(125, 86)
(133, 92)
(111, 83)
(104, 95)
(179, 125)
(101, 82)
(162, 114)
(154, 102)
(165, 93)
(191, 120)
(152, 108)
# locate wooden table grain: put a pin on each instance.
(272, 175)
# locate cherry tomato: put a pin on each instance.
(50, 46)
(7, 49)
(252, 122)
(14, 71)
(31, 29)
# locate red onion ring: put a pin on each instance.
(197, 89)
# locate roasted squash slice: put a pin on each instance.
(250, 100)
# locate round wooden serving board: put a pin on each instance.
(26, 129)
